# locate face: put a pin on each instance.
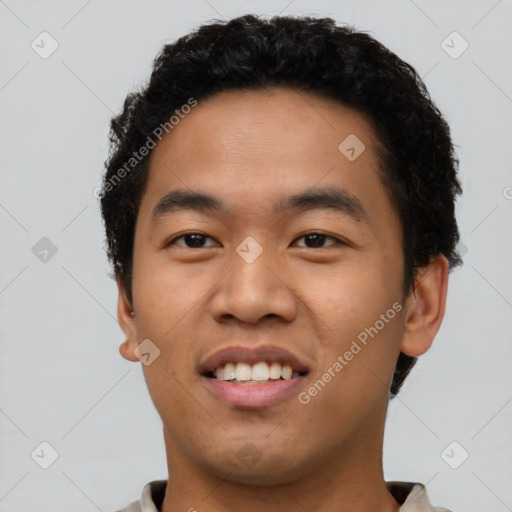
(294, 261)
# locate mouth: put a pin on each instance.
(252, 378)
(259, 373)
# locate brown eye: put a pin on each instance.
(316, 240)
(191, 240)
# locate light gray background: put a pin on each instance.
(62, 379)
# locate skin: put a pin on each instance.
(250, 148)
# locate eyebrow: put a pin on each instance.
(325, 198)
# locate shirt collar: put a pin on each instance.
(412, 497)
(153, 496)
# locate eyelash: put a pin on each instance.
(173, 240)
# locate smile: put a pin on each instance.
(253, 377)
(243, 373)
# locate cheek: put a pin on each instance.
(188, 418)
(348, 299)
(358, 310)
(353, 380)
(165, 294)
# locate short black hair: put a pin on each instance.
(313, 55)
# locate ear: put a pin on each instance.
(127, 324)
(425, 306)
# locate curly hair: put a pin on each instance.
(313, 55)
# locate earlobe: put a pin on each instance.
(126, 349)
(425, 307)
(127, 323)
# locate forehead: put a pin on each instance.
(250, 147)
(278, 120)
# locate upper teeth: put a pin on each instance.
(258, 371)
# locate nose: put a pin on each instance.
(252, 291)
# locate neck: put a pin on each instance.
(351, 479)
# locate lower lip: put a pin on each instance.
(253, 396)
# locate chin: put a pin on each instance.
(250, 466)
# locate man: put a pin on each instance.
(279, 210)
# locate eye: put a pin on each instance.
(192, 240)
(195, 240)
(315, 240)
